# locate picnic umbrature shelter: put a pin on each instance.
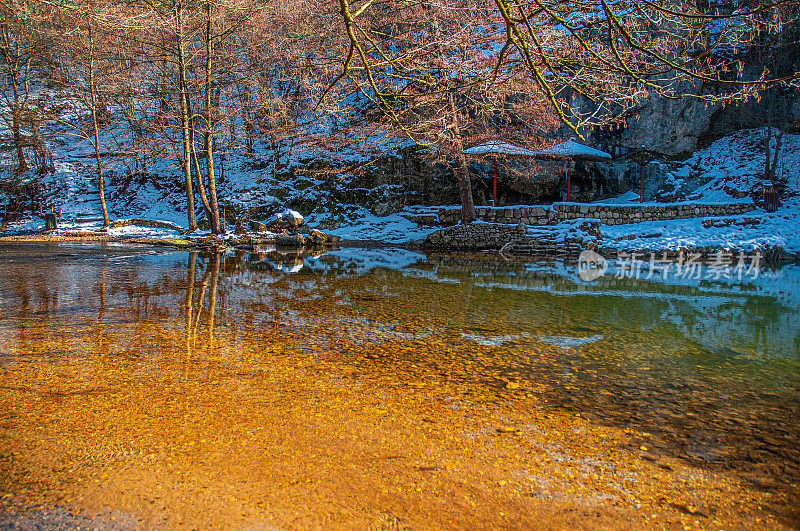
(569, 151)
(566, 151)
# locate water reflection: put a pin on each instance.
(195, 298)
(710, 370)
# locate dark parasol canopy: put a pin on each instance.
(498, 147)
(569, 151)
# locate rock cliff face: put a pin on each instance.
(675, 127)
(781, 111)
(678, 126)
(669, 126)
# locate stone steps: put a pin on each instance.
(545, 242)
(539, 249)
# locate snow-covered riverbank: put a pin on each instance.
(728, 171)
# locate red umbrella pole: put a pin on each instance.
(569, 175)
(494, 186)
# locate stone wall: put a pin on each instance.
(606, 214)
(514, 239)
(477, 236)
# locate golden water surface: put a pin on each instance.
(142, 389)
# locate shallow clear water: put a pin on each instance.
(711, 369)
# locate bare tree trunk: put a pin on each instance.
(184, 109)
(768, 169)
(200, 187)
(776, 154)
(210, 125)
(468, 214)
(247, 119)
(196, 163)
(16, 119)
(93, 101)
(771, 155)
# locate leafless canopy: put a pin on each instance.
(591, 60)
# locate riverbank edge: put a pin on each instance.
(568, 251)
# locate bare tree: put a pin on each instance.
(778, 52)
(19, 50)
(164, 44)
(230, 17)
(428, 70)
(191, 39)
(275, 68)
(597, 60)
(590, 61)
(85, 61)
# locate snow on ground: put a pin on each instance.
(629, 197)
(731, 165)
(735, 164)
(27, 225)
(393, 228)
(140, 232)
(780, 228)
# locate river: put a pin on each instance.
(704, 370)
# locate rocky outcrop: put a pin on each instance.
(670, 126)
(316, 237)
(679, 126)
(286, 220)
(290, 240)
